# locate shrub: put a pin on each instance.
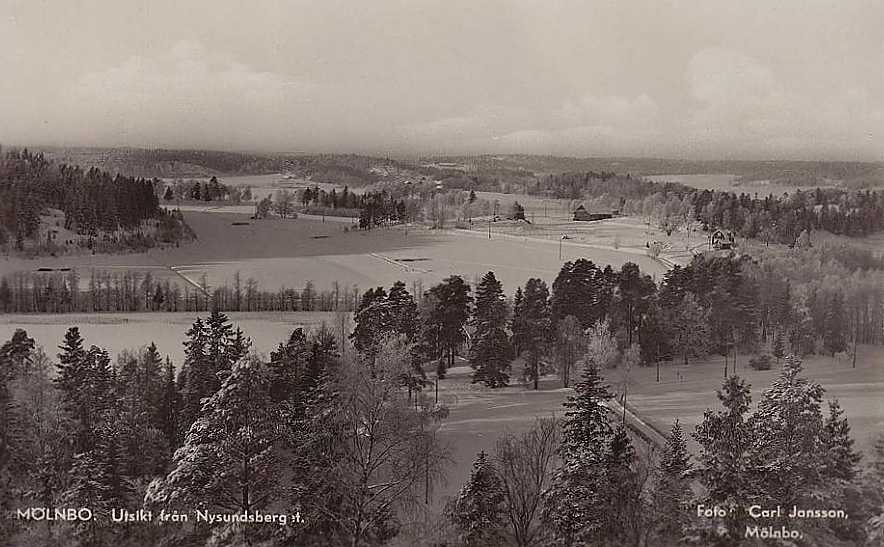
(761, 362)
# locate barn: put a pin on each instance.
(582, 215)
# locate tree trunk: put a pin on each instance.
(536, 371)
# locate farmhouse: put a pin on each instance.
(721, 240)
(582, 215)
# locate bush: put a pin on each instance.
(761, 362)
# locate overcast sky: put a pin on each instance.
(771, 79)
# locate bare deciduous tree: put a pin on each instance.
(524, 466)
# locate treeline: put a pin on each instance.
(592, 184)
(375, 208)
(725, 305)
(134, 291)
(227, 433)
(779, 219)
(93, 202)
(780, 172)
(582, 482)
(210, 190)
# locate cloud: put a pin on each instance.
(744, 108)
(592, 124)
(720, 75)
(611, 112)
(185, 91)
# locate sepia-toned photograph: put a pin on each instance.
(441, 273)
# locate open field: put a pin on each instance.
(684, 392)
(287, 253)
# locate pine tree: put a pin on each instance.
(372, 320)
(576, 291)
(446, 320)
(570, 343)
(533, 330)
(835, 326)
(689, 324)
(490, 353)
(632, 300)
(402, 311)
(477, 512)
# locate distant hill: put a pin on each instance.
(783, 172)
(160, 163)
(482, 170)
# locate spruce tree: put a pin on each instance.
(671, 494)
(478, 512)
(574, 502)
(15, 358)
(777, 347)
(85, 381)
(518, 323)
(170, 407)
(287, 365)
(490, 353)
(724, 471)
(786, 432)
(196, 380)
(843, 459)
(620, 493)
(227, 461)
(835, 326)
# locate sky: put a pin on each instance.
(696, 79)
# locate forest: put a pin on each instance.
(344, 438)
(96, 205)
